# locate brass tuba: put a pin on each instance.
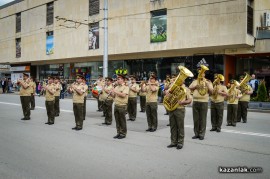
(215, 84)
(243, 84)
(177, 92)
(201, 80)
(232, 93)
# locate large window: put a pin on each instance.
(18, 47)
(158, 31)
(250, 17)
(93, 7)
(18, 22)
(94, 36)
(50, 13)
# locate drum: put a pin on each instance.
(96, 91)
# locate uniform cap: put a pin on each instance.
(80, 76)
(25, 74)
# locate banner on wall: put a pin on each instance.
(158, 31)
(49, 44)
(94, 37)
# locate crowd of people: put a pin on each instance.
(123, 91)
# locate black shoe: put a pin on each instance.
(244, 121)
(104, 123)
(47, 123)
(195, 137)
(74, 128)
(149, 129)
(121, 137)
(234, 125)
(108, 124)
(213, 129)
(51, 123)
(115, 137)
(218, 130)
(229, 125)
(56, 115)
(32, 108)
(168, 124)
(201, 137)
(23, 119)
(166, 114)
(179, 146)
(78, 129)
(171, 145)
(103, 116)
(27, 118)
(141, 111)
(153, 130)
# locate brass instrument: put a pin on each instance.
(201, 81)
(232, 92)
(243, 84)
(217, 81)
(176, 91)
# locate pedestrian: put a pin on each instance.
(3, 84)
(151, 90)
(132, 98)
(57, 86)
(120, 94)
(254, 83)
(78, 89)
(49, 100)
(25, 95)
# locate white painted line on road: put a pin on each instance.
(187, 126)
(239, 132)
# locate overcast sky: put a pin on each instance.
(2, 2)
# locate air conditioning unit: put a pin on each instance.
(266, 19)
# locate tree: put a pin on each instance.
(262, 92)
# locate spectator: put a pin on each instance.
(254, 83)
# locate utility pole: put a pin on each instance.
(105, 55)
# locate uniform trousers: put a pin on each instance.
(120, 119)
(142, 103)
(199, 110)
(50, 111)
(108, 114)
(151, 114)
(176, 118)
(217, 114)
(242, 111)
(78, 109)
(232, 114)
(25, 101)
(132, 108)
(56, 105)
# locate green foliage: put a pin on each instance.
(158, 38)
(262, 92)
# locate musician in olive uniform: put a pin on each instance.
(108, 101)
(201, 88)
(176, 118)
(142, 96)
(132, 98)
(232, 103)
(78, 89)
(25, 96)
(120, 94)
(151, 103)
(50, 99)
(57, 85)
(243, 101)
(217, 103)
(33, 89)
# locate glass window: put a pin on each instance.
(18, 22)
(93, 7)
(50, 13)
(18, 47)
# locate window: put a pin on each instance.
(49, 43)
(50, 13)
(18, 47)
(18, 22)
(94, 36)
(93, 7)
(158, 31)
(250, 17)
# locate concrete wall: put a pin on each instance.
(192, 27)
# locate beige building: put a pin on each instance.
(65, 37)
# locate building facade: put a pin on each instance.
(65, 37)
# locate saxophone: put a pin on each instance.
(201, 81)
(243, 84)
(176, 91)
(232, 93)
(215, 84)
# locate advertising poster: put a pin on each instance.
(49, 45)
(93, 37)
(158, 31)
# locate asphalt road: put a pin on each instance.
(31, 149)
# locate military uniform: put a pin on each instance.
(176, 118)
(33, 89)
(142, 95)
(108, 105)
(120, 108)
(132, 101)
(78, 104)
(199, 109)
(217, 108)
(232, 108)
(243, 105)
(25, 96)
(49, 102)
(84, 101)
(151, 107)
(57, 97)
